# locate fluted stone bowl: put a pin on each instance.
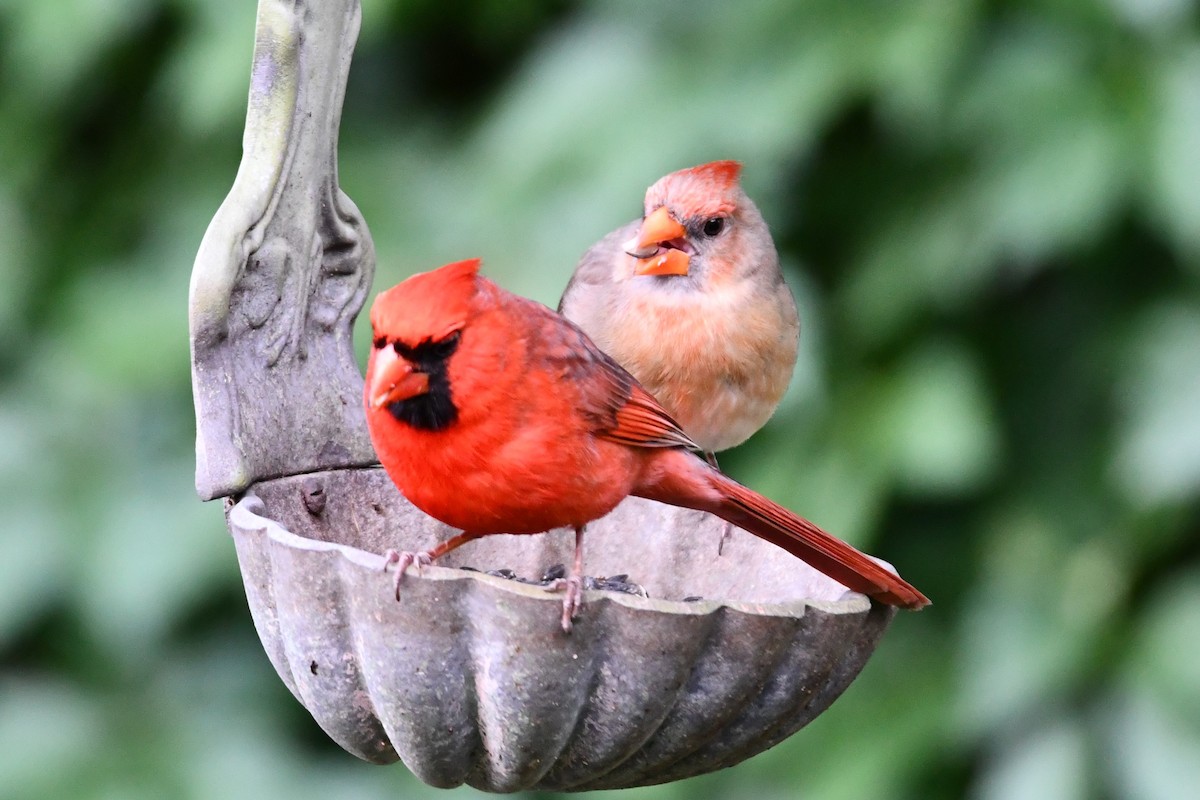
(468, 678)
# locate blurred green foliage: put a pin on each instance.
(989, 212)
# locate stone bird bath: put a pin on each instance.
(468, 678)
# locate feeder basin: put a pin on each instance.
(469, 678)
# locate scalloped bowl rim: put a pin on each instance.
(252, 506)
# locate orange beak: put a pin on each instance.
(668, 262)
(394, 378)
(658, 228)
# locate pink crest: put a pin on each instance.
(722, 175)
(710, 188)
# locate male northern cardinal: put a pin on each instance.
(496, 415)
(691, 300)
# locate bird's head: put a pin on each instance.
(416, 328)
(696, 220)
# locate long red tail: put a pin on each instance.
(694, 484)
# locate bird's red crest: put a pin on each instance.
(704, 189)
(722, 175)
(427, 305)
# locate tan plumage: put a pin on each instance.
(705, 322)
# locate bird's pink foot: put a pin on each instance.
(572, 588)
(403, 559)
(711, 458)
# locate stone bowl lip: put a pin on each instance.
(248, 514)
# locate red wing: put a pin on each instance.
(642, 422)
(619, 409)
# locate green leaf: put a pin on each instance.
(936, 427)
(1049, 762)
(44, 723)
(1157, 459)
(1160, 658)
(1175, 147)
(1038, 613)
(1152, 752)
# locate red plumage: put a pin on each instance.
(493, 414)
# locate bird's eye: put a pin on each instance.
(446, 347)
(380, 342)
(713, 226)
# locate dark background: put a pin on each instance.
(989, 213)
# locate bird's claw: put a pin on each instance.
(726, 530)
(403, 559)
(572, 598)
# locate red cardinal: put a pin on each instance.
(691, 300)
(496, 415)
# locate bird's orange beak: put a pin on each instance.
(658, 228)
(668, 262)
(394, 378)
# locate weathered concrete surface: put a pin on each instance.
(468, 678)
(283, 270)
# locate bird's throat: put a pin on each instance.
(426, 413)
(432, 411)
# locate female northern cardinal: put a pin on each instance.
(691, 300)
(496, 415)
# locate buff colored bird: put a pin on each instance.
(691, 300)
(494, 415)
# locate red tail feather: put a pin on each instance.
(806, 541)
